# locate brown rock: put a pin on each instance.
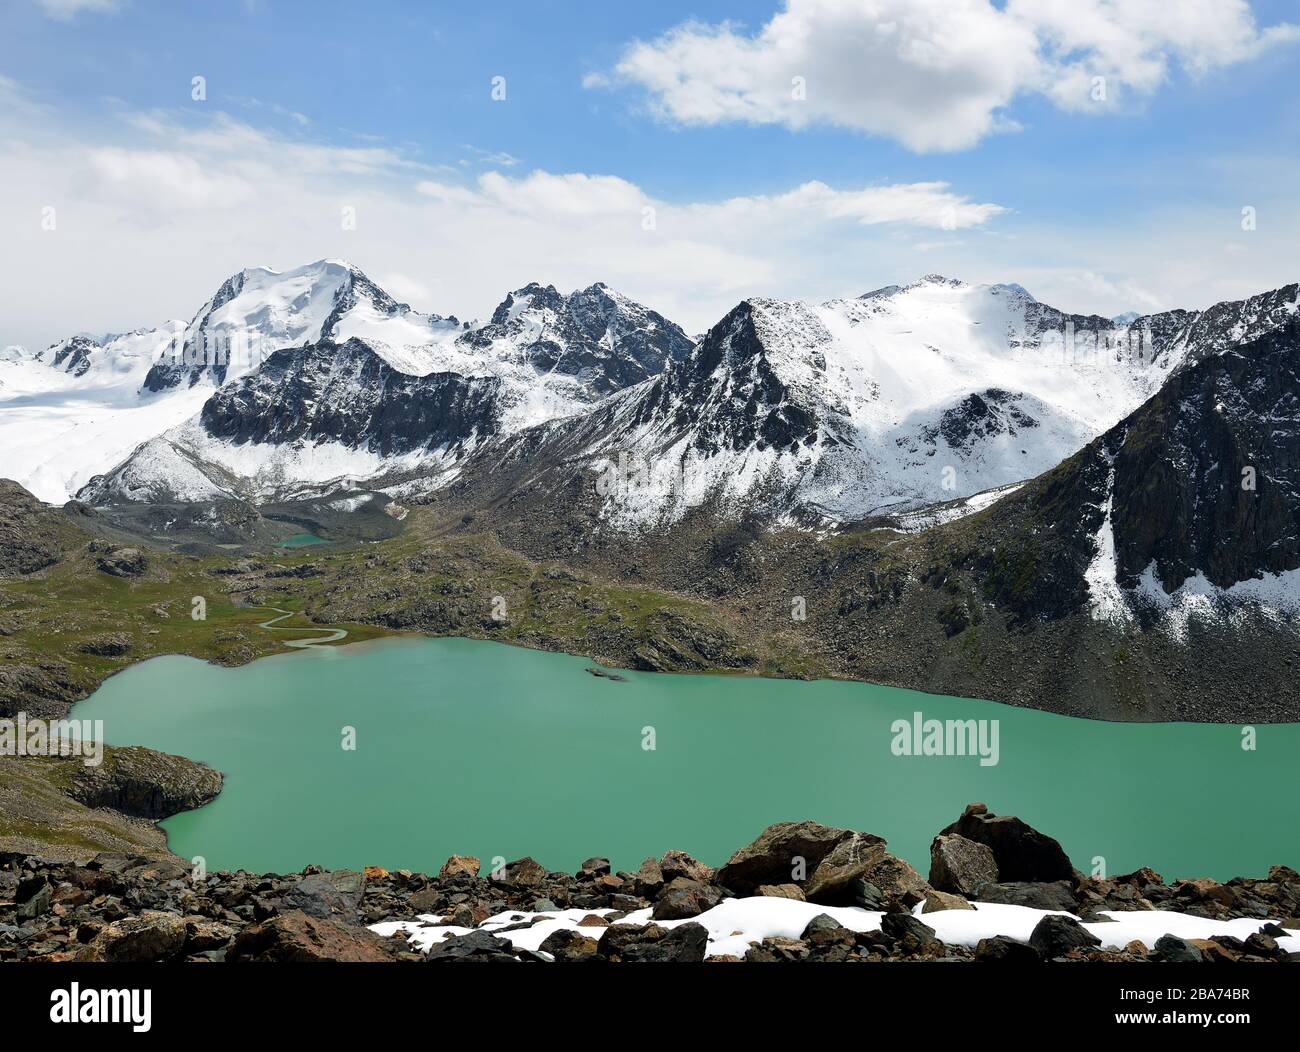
(960, 866)
(683, 897)
(1021, 851)
(148, 936)
(460, 866)
(526, 872)
(676, 864)
(781, 853)
(781, 891)
(942, 900)
(298, 937)
(863, 857)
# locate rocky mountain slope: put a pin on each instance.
(903, 398)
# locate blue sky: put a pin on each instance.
(1135, 203)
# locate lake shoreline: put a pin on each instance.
(800, 891)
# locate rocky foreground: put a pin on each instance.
(123, 908)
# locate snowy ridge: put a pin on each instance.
(901, 399)
(904, 398)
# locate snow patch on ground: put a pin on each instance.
(1276, 596)
(735, 924)
(926, 518)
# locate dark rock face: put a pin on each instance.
(113, 644)
(1020, 851)
(348, 394)
(728, 395)
(74, 355)
(1182, 460)
(121, 562)
(145, 784)
(1202, 478)
(30, 537)
(606, 340)
(981, 415)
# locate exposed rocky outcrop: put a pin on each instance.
(144, 783)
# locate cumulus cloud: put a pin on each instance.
(933, 74)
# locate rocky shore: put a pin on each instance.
(997, 890)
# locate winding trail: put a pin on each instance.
(333, 636)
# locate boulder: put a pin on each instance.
(780, 891)
(122, 562)
(1001, 949)
(1022, 853)
(146, 937)
(297, 937)
(781, 853)
(862, 857)
(473, 946)
(1170, 948)
(777, 949)
(336, 893)
(568, 946)
(593, 868)
(682, 943)
(960, 866)
(942, 900)
(911, 935)
(1055, 896)
(649, 878)
(460, 866)
(1056, 935)
(525, 872)
(679, 864)
(683, 897)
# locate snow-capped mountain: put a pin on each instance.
(1187, 509)
(345, 402)
(258, 311)
(901, 398)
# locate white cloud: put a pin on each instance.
(156, 210)
(933, 74)
(165, 179)
(65, 10)
(577, 194)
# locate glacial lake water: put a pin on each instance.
(480, 748)
(301, 540)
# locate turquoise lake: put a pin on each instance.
(465, 746)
